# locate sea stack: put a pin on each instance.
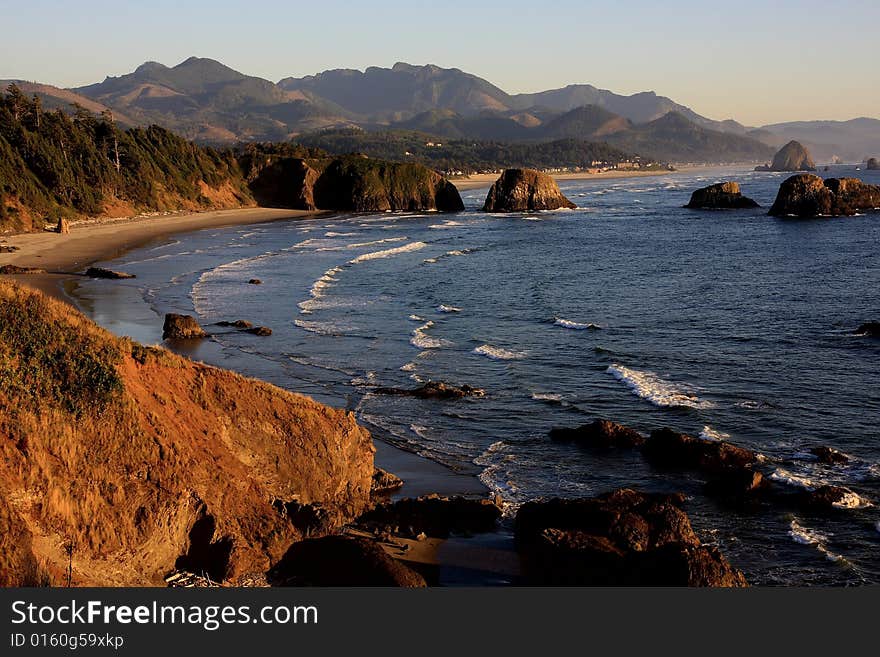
(873, 164)
(181, 327)
(525, 190)
(791, 157)
(721, 196)
(806, 195)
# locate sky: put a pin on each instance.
(757, 62)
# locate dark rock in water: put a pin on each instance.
(181, 327)
(10, 270)
(873, 164)
(737, 484)
(871, 329)
(829, 455)
(100, 272)
(525, 190)
(255, 281)
(436, 516)
(792, 157)
(435, 390)
(384, 482)
(668, 448)
(620, 538)
(341, 561)
(262, 331)
(827, 498)
(239, 324)
(721, 196)
(600, 434)
(806, 195)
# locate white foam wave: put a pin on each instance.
(850, 500)
(657, 391)
(708, 433)
(321, 328)
(333, 234)
(547, 396)
(577, 326)
(448, 309)
(409, 367)
(422, 340)
(388, 253)
(817, 539)
(416, 318)
(446, 224)
(497, 353)
(361, 245)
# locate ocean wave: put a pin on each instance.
(408, 367)
(576, 326)
(547, 396)
(361, 245)
(449, 254)
(446, 224)
(708, 433)
(656, 390)
(388, 253)
(332, 234)
(448, 309)
(416, 318)
(321, 328)
(422, 340)
(817, 539)
(850, 500)
(497, 353)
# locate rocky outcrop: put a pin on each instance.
(620, 538)
(261, 331)
(670, 449)
(435, 516)
(721, 196)
(384, 482)
(181, 327)
(238, 323)
(870, 329)
(872, 164)
(434, 390)
(599, 434)
(285, 183)
(100, 272)
(806, 195)
(142, 459)
(525, 190)
(341, 561)
(14, 270)
(791, 157)
(63, 227)
(255, 281)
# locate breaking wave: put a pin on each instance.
(659, 392)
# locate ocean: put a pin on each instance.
(730, 325)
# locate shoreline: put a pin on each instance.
(479, 180)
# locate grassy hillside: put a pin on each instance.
(141, 461)
(54, 164)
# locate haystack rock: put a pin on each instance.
(181, 327)
(721, 196)
(63, 228)
(525, 190)
(806, 195)
(873, 164)
(793, 157)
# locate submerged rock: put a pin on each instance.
(721, 196)
(341, 561)
(620, 538)
(871, 329)
(525, 190)
(181, 327)
(255, 281)
(601, 434)
(807, 195)
(262, 331)
(435, 390)
(829, 455)
(436, 516)
(239, 324)
(100, 272)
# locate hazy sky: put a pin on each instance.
(758, 62)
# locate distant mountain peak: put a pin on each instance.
(150, 67)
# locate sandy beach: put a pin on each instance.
(486, 179)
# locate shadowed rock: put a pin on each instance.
(791, 157)
(434, 390)
(599, 434)
(721, 196)
(806, 195)
(435, 515)
(871, 329)
(829, 455)
(341, 561)
(384, 482)
(63, 227)
(872, 164)
(620, 538)
(262, 331)
(525, 190)
(255, 281)
(181, 327)
(100, 272)
(239, 324)
(668, 448)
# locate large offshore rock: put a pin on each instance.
(525, 190)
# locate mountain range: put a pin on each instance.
(205, 100)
